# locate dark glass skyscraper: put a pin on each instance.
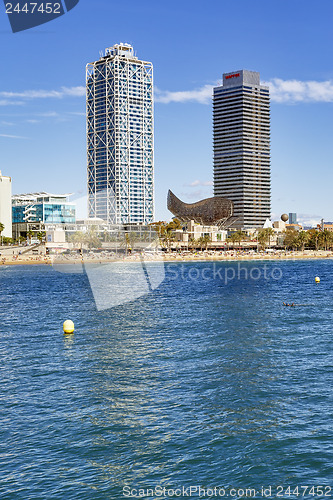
(241, 115)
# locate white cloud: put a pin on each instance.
(45, 94)
(281, 91)
(309, 219)
(49, 114)
(32, 94)
(12, 136)
(199, 183)
(202, 95)
(6, 102)
(74, 91)
(294, 91)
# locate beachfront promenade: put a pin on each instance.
(14, 257)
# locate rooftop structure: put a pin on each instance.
(241, 116)
(120, 140)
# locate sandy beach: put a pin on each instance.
(231, 255)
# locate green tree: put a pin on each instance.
(192, 242)
(290, 238)
(78, 239)
(235, 237)
(41, 236)
(207, 239)
(2, 227)
(301, 239)
(7, 241)
(30, 235)
(174, 224)
(91, 238)
(168, 238)
(262, 238)
(201, 242)
(325, 239)
(269, 233)
(126, 243)
(313, 238)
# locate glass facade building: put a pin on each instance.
(292, 218)
(241, 108)
(42, 207)
(120, 137)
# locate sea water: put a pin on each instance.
(205, 387)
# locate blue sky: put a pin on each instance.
(290, 42)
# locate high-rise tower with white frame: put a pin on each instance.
(120, 137)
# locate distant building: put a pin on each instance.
(297, 227)
(42, 207)
(241, 118)
(292, 218)
(279, 225)
(120, 137)
(6, 205)
(328, 226)
(32, 211)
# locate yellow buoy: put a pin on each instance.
(68, 326)
(317, 279)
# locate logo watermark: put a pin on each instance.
(279, 491)
(225, 274)
(25, 15)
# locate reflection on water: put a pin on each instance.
(197, 382)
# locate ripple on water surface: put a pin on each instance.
(200, 382)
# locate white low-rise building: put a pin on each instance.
(196, 231)
(6, 205)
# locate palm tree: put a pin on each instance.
(313, 236)
(201, 242)
(2, 227)
(207, 239)
(324, 238)
(192, 242)
(262, 238)
(330, 240)
(290, 238)
(91, 238)
(240, 237)
(234, 238)
(30, 235)
(78, 237)
(41, 235)
(269, 232)
(168, 238)
(302, 239)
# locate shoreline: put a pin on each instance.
(200, 257)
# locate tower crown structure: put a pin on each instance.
(120, 137)
(241, 116)
(122, 50)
